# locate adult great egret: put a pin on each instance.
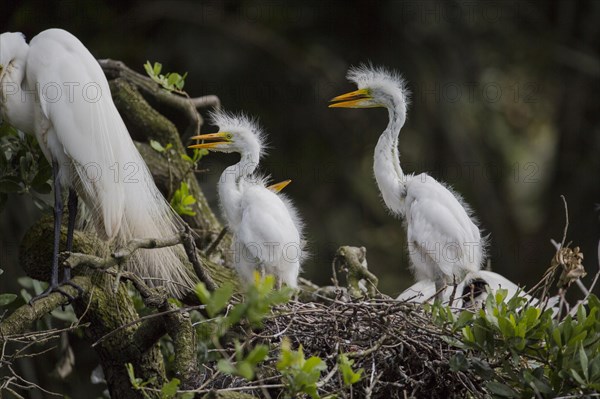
(266, 227)
(444, 242)
(55, 89)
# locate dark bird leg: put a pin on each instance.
(72, 208)
(58, 211)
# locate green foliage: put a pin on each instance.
(159, 147)
(521, 351)
(349, 376)
(23, 167)
(196, 156)
(182, 200)
(138, 383)
(245, 365)
(299, 375)
(258, 301)
(171, 81)
(169, 390)
(214, 301)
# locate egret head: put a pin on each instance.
(12, 45)
(377, 87)
(237, 133)
(474, 292)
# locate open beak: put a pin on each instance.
(220, 138)
(277, 187)
(350, 100)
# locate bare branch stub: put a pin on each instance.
(353, 261)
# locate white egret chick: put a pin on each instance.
(472, 292)
(469, 293)
(444, 241)
(54, 89)
(266, 228)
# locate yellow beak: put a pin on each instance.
(350, 100)
(221, 138)
(277, 187)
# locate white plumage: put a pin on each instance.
(444, 242)
(471, 293)
(65, 100)
(266, 227)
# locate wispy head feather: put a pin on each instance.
(229, 121)
(369, 76)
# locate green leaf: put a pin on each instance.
(203, 293)
(9, 186)
(245, 370)
(157, 146)
(225, 366)
(157, 68)
(6, 299)
(169, 390)
(459, 362)
(482, 368)
(257, 354)
(502, 390)
(173, 78)
(148, 68)
(578, 378)
(188, 200)
(219, 299)
(349, 376)
(187, 158)
(583, 360)
(44, 188)
(43, 175)
(314, 363)
(464, 317)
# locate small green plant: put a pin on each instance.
(521, 351)
(171, 81)
(349, 376)
(299, 375)
(258, 301)
(23, 167)
(196, 156)
(259, 298)
(158, 147)
(169, 390)
(244, 366)
(182, 200)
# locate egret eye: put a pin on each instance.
(229, 136)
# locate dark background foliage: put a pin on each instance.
(504, 109)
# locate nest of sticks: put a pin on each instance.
(401, 353)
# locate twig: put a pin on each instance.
(143, 318)
(562, 245)
(216, 242)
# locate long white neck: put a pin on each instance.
(17, 100)
(388, 173)
(231, 186)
